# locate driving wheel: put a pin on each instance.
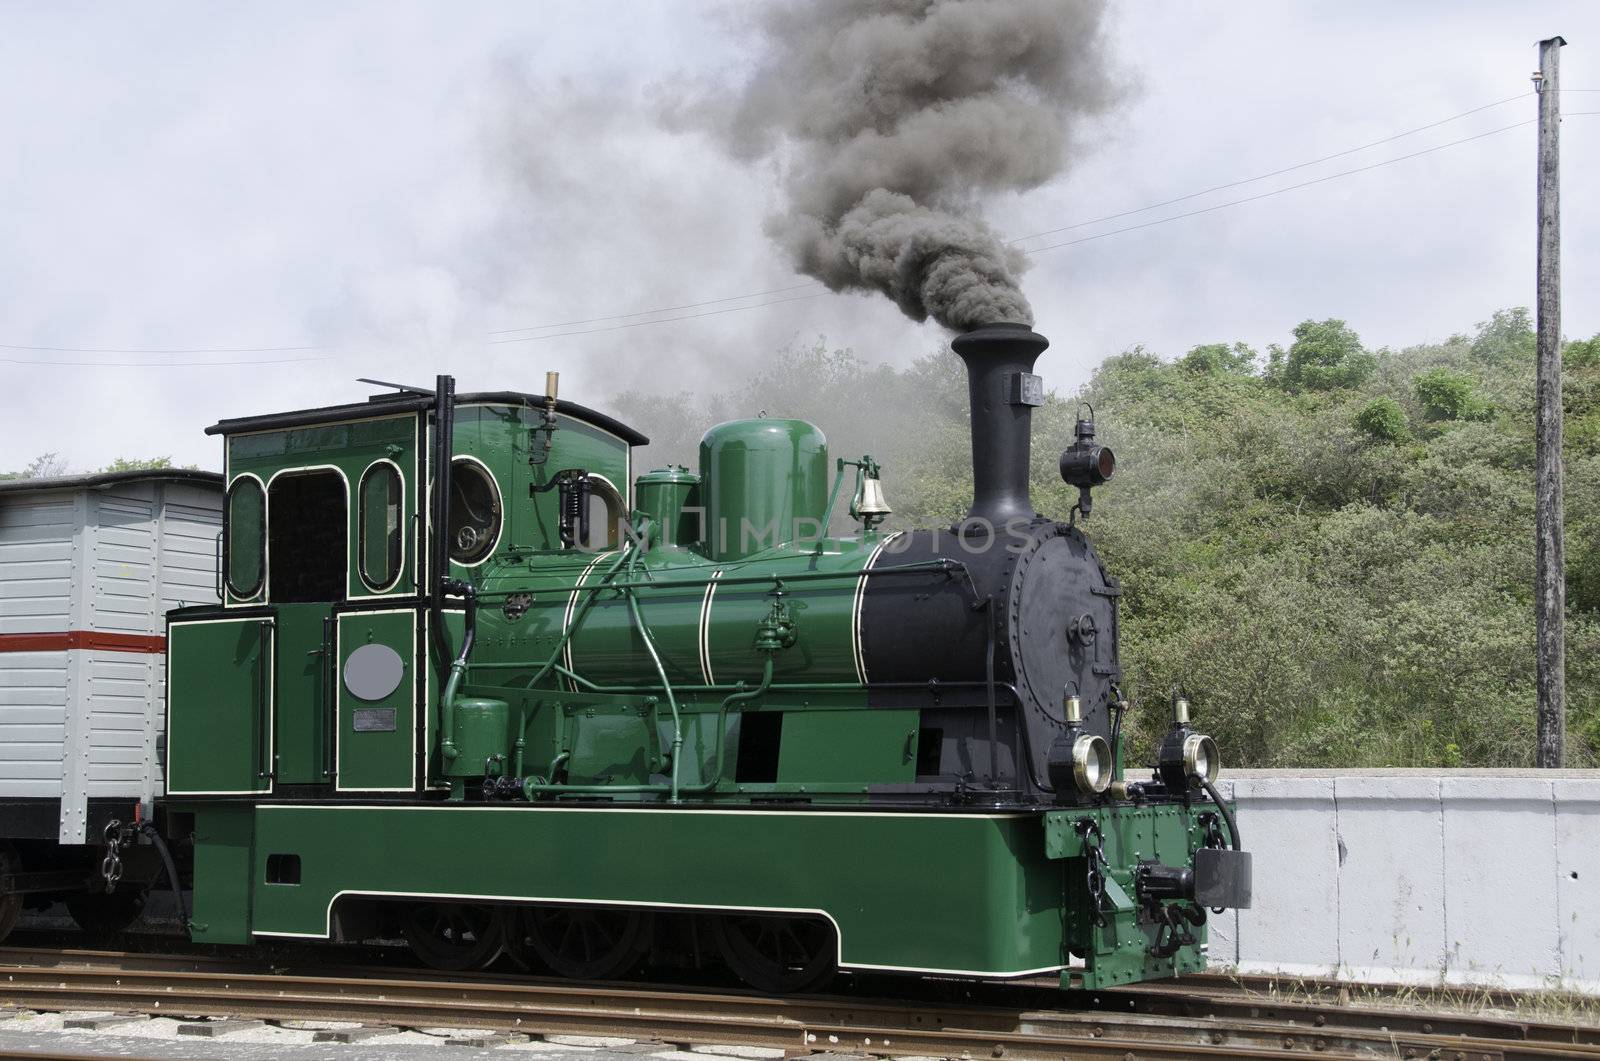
(777, 955)
(587, 943)
(455, 937)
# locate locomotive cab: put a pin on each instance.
(321, 638)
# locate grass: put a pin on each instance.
(1553, 1003)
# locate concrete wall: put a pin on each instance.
(1466, 876)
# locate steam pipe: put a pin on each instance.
(458, 668)
(1002, 391)
(666, 686)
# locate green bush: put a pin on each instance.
(1384, 420)
(1219, 359)
(1326, 355)
(1505, 338)
(1447, 395)
(1582, 353)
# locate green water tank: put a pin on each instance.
(482, 737)
(763, 482)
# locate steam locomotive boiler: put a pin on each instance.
(474, 680)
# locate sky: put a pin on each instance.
(312, 193)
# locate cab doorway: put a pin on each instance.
(308, 554)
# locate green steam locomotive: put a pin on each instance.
(474, 681)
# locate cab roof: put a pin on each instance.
(411, 402)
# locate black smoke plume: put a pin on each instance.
(895, 120)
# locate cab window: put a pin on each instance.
(474, 512)
(245, 538)
(379, 529)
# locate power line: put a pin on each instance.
(813, 284)
(1080, 224)
(1278, 191)
(1085, 239)
(663, 309)
(1276, 172)
(156, 364)
(663, 320)
(200, 350)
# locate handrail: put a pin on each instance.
(945, 565)
(263, 701)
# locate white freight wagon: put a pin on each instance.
(89, 566)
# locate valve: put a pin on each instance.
(776, 629)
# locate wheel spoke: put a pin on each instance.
(587, 944)
(777, 954)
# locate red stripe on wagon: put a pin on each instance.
(83, 639)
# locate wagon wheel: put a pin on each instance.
(106, 913)
(587, 943)
(777, 955)
(10, 903)
(455, 937)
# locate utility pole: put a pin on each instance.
(1550, 588)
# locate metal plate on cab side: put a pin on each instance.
(374, 720)
(373, 672)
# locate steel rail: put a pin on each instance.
(1196, 995)
(216, 987)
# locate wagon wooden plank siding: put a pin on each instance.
(89, 567)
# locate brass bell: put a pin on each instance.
(869, 501)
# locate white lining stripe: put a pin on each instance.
(855, 611)
(838, 935)
(541, 808)
(269, 661)
(566, 621)
(340, 691)
(705, 628)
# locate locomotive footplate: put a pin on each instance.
(1140, 881)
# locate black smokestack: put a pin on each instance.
(1003, 391)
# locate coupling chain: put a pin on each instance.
(1098, 870)
(1172, 927)
(111, 865)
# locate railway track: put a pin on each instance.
(1199, 1017)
